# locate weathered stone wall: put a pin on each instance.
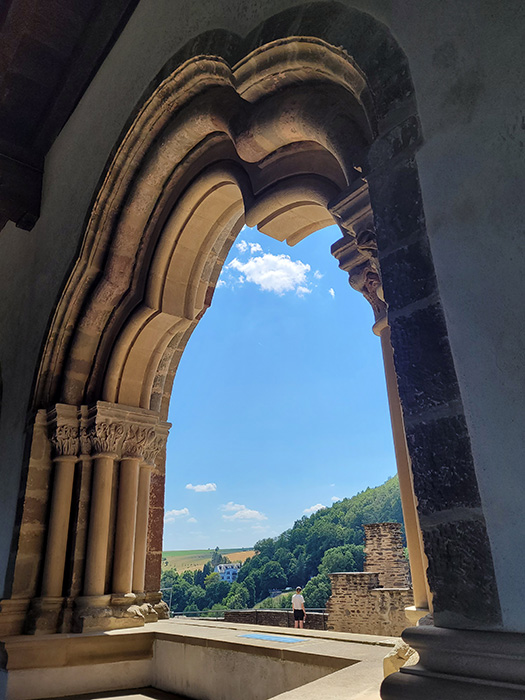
(385, 555)
(358, 604)
(275, 618)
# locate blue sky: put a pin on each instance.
(279, 404)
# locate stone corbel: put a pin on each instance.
(356, 251)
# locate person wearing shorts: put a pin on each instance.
(299, 611)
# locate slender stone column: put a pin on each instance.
(106, 437)
(45, 610)
(141, 533)
(65, 441)
(125, 529)
(55, 558)
(357, 255)
(127, 508)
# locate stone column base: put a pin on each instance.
(44, 615)
(13, 616)
(107, 612)
(461, 665)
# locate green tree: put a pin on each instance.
(188, 576)
(211, 578)
(215, 590)
(238, 597)
(272, 576)
(249, 584)
(265, 547)
(317, 591)
(347, 557)
(198, 596)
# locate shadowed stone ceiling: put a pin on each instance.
(49, 51)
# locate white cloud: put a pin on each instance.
(242, 247)
(221, 283)
(313, 509)
(331, 292)
(192, 520)
(202, 488)
(240, 512)
(274, 273)
(334, 499)
(171, 515)
(301, 291)
(232, 506)
(318, 275)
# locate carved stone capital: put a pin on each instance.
(157, 444)
(137, 441)
(65, 441)
(64, 430)
(153, 449)
(106, 437)
(122, 431)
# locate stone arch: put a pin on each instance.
(237, 133)
(206, 101)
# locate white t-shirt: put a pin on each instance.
(297, 601)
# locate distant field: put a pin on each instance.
(191, 559)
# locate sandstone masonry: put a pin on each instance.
(373, 601)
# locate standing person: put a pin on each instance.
(299, 611)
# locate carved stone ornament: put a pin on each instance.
(106, 437)
(137, 441)
(85, 440)
(65, 440)
(366, 279)
(357, 250)
(153, 449)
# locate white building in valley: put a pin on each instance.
(228, 572)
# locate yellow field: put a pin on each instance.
(191, 559)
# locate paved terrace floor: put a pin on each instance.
(357, 659)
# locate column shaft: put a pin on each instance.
(141, 531)
(98, 534)
(55, 558)
(418, 562)
(125, 528)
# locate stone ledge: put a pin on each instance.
(55, 650)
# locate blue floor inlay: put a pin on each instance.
(273, 638)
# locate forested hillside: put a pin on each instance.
(332, 539)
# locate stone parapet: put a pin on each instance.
(275, 618)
